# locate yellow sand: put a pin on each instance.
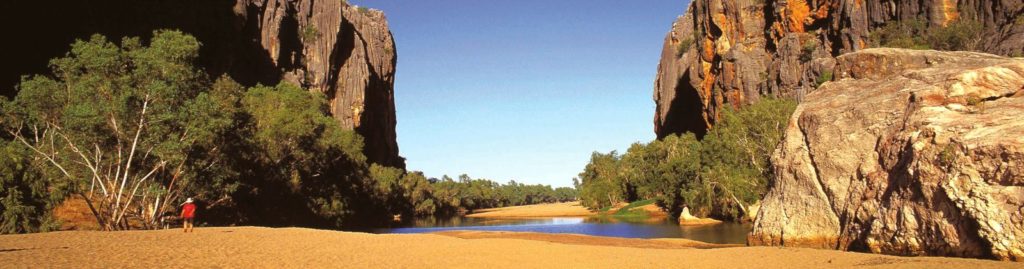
(254, 247)
(569, 209)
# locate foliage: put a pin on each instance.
(135, 129)
(807, 51)
(124, 124)
(683, 46)
(633, 211)
(364, 10)
(26, 198)
(908, 34)
(467, 194)
(310, 34)
(915, 34)
(959, 35)
(600, 184)
(735, 158)
(718, 176)
(947, 156)
(825, 76)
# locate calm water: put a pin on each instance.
(726, 233)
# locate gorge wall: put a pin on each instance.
(332, 47)
(907, 153)
(734, 52)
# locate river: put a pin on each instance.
(725, 233)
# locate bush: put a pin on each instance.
(27, 198)
(310, 34)
(915, 34)
(683, 47)
(825, 76)
(959, 35)
(901, 34)
(807, 52)
(717, 176)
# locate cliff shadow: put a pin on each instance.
(685, 112)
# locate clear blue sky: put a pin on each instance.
(526, 89)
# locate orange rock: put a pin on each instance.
(798, 12)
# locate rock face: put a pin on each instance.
(734, 52)
(340, 50)
(906, 153)
(343, 51)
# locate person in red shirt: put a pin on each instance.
(188, 214)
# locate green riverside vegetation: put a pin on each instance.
(916, 34)
(718, 176)
(133, 129)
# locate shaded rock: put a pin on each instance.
(907, 153)
(342, 51)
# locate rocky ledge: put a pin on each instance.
(906, 153)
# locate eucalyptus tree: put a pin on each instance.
(126, 126)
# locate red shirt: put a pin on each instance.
(188, 211)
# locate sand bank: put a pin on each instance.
(254, 247)
(569, 209)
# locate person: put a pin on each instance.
(188, 214)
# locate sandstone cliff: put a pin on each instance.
(907, 153)
(736, 51)
(343, 51)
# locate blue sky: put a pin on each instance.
(526, 89)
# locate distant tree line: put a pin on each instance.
(412, 194)
(717, 176)
(133, 129)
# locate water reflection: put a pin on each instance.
(726, 233)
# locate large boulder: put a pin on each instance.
(906, 153)
(730, 53)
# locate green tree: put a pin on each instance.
(735, 158)
(304, 157)
(120, 124)
(600, 182)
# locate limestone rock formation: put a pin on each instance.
(343, 51)
(734, 52)
(907, 153)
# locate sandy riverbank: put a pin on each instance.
(569, 209)
(255, 247)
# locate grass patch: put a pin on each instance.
(684, 45)
(310, 34)
(824, 77)
(632, 211)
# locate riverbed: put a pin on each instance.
(725, 233)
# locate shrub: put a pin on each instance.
(310, 34)
(947, 156)
(959, 35)
(807, 52)
(915, 34)
(900, 34)
(717, 176)
(825, 76)
(684, 45)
